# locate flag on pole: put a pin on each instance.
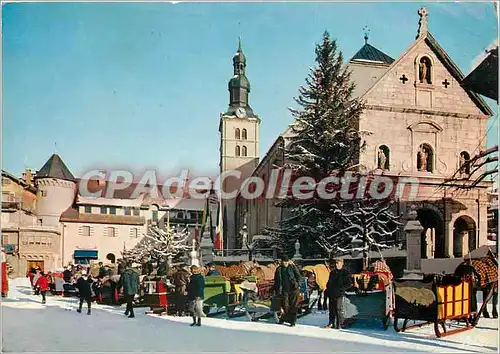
(196, 231)
(219, 240)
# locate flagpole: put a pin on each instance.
(210, 213)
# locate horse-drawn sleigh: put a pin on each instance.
(439, 299)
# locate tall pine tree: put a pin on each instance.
(325, 141)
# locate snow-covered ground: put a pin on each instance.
(28, 326)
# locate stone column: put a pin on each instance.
(413, 230)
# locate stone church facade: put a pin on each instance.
(424, 125)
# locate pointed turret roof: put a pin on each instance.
(371, 54)
(55, 168)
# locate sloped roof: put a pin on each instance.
(371, 54)
(55, 168)
(484, 78)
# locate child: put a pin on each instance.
(196, 294)
(83, 284)
(42, 284)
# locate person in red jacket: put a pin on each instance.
(43, 285)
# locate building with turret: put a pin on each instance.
(47, 222)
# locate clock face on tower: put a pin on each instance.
(240, 112)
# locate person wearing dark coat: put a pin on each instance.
(129, 282)
(213, 272)
(287, 281)
(83, 284)
(196, 294)
(67, 274)
(339, 282)
(181, 281)
(102, 271)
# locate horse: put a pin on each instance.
(317, 278)
(483, 274)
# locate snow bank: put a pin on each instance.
(52, 328)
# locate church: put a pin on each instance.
(424, 125)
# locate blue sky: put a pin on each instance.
(141, 85)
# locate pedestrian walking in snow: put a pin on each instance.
(37, 275)
(196, 294)
(83, 284)
(42, 284)
(338, 283)
(287, 281)
(129, 282)
(181, 281)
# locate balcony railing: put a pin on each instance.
(236, 255)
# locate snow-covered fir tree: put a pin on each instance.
(325, 142)
(158, 245)
(363, 226)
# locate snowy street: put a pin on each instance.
(27, 325)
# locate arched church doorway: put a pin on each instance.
(464, 236)
(432, 243)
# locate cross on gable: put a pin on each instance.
(403, 79)
(446, 83)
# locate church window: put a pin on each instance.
(44, 193)
(88, 209)
(244, 151)
(425, 71)
(112, 210)
(85, 230)
(136, 211)
(425, 158)
(237, 133)
(127, 211)
(383, 156)
(244, 134)
(104, 210)
(464, 162)
(237, 150)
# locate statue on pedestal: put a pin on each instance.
(382, 159)
(422, 157)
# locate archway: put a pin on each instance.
(432, 243)
(111, 257)
(464, 236)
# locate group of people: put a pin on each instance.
(189, 291)
(287, 282)
(86, 285)
(189, 285)
(41, 282)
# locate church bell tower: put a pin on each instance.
(239, 141)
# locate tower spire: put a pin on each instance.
(239, 86)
